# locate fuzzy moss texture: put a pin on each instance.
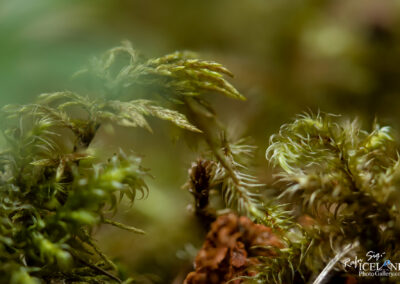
(53, 189)
(341, 183)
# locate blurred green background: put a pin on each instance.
(288, 56)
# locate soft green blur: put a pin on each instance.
(288, 56)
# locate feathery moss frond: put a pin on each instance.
(179, 72)
(239, 188)
(132, 114)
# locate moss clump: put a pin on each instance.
(55, 187)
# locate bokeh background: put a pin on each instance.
(288, 56)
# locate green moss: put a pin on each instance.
(55, 189)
